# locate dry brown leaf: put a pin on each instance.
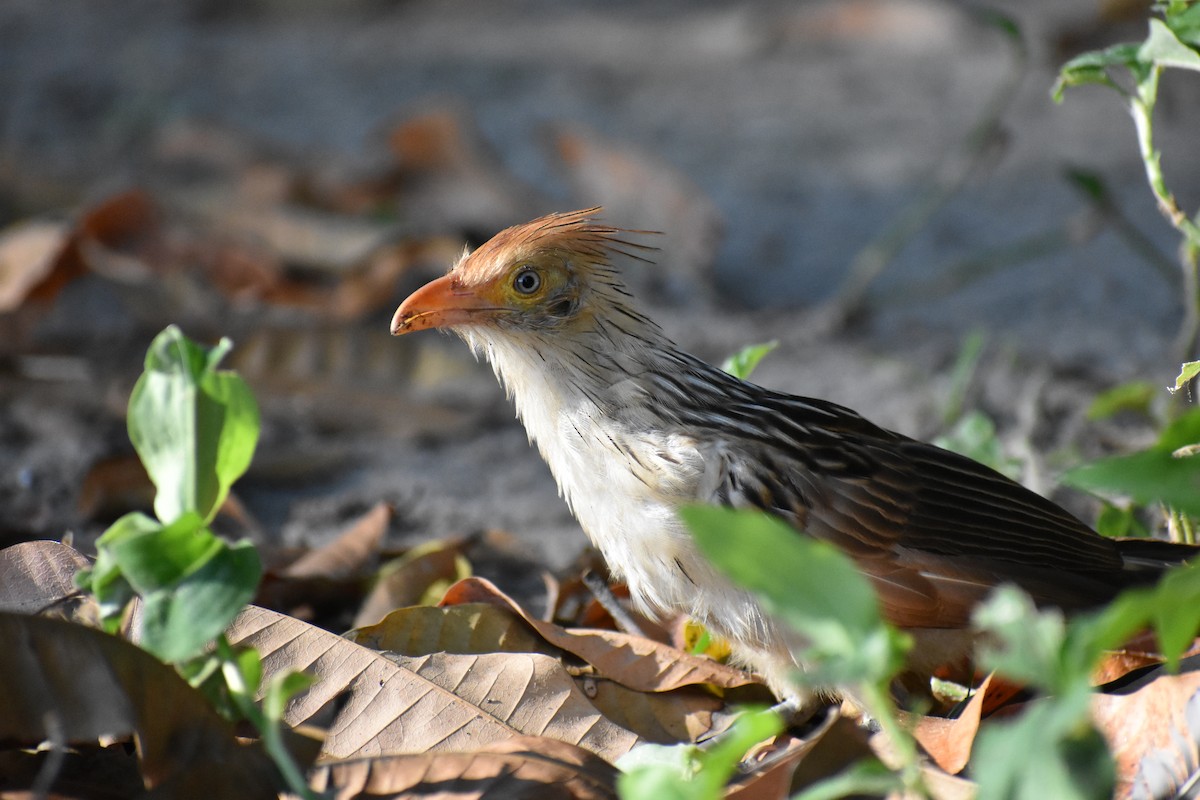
(530, 691)
(420, 576)
(471, 628)
(773, 778)
(381, 706)
(351, 553)
(839, 746)
(479, 628)
(522, 767)
(76, 684)
(113, 486)
(1141, 651)
(632, 661)
(684, 715)
(37, 259)
(1149, 721)
(30, 257)
(37, 577)
(948, 741)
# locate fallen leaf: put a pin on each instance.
(351, 553)
(948, 741)
(382, 706)
(39, 577)
(774, 778)
(470, 628)
(685, 714)
(71, 683)
(419, 577)
(521, 767)
(1149, 719)
(633, 661)
(31, 262)
(530, 691)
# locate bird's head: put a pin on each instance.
(549, 276)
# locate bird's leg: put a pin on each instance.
(609, 602)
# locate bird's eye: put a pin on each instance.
(527, 281)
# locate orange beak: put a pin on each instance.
(438, 304)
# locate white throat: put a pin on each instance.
(623, 475)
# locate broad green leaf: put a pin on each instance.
(160, 559)
(808, 585)
(1182, 431)
(178, 623)
(194, 428)
(1132, 396)
(1163, 47)
(1175, 609)
(107, 569)
(1115, 522)
(1184, 20)
(1051, 750)
(743, 362)
(1022, 642)
(1188, 371)
(1152, 476)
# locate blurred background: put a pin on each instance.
(871, 183)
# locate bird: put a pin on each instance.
(633, 428)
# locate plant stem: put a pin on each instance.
(880, 706)
(1141, 105)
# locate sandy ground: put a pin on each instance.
(801, 131)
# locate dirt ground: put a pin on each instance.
(771, 142)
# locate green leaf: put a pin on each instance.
(1132, 396)
(1093, 67)
(1184, 20)
(687, 772)
(743, 362)
(179, 623)
(282, 687)
(1022, 642)
(1175, 609)
(1188, 371)
(974, 436)
(1182, 431)
(1164, 48)
(161, 558)
(1152, 476)
(807, 584)
(194, 428)
(1115, 522)
(1051, 750)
